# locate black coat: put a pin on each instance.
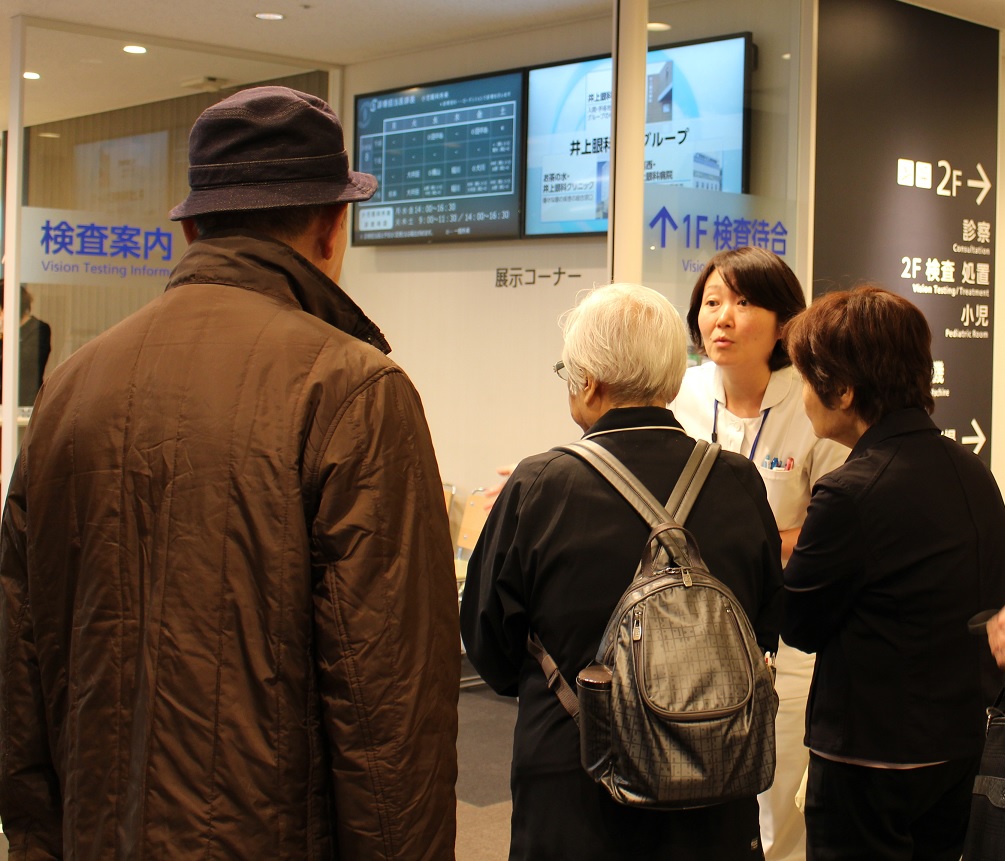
(559, 548)
(901, 545)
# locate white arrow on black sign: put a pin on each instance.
(984, 184)
(976, 441)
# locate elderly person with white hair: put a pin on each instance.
(559, 548)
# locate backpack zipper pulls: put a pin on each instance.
(686, 577)
(637, 625)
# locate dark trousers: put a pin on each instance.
(565, 816)
(879, 814)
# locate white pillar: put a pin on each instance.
(12, 263)
(628, 128)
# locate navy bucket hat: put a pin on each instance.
(269, 147)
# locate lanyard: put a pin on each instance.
(757, 439)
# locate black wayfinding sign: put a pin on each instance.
(906, 183)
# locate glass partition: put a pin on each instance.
(688, 216)
(105, 159)
(96, 243)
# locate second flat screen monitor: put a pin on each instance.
(696, 134)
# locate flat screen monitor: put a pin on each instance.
(448, 159)
(697, 130)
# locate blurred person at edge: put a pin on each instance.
(748, 398)
(228, 620)
(900, 547)
(35, 345)
(559, 548)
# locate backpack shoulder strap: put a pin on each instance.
(566, 695)
(685, 491)
(684, 495)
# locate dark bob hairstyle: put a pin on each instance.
(760, 277)
(869, 340)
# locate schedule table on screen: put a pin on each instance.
(467, 152)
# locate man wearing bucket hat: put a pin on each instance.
(228, 621)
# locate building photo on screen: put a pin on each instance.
(696, 136)
(447, 157)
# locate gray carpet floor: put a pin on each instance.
(484, 751)
(484, 746)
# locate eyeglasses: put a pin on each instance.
(562, 371)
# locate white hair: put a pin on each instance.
(628, 337)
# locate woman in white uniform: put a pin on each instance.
(749, 400)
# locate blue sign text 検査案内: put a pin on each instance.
(97, 240)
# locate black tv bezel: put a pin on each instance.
(749, 64)
(520, 153)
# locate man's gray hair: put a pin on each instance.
(628, 337)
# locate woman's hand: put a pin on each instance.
(996, 637)
(493, 492)
(789, 539)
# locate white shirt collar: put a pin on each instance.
(779, 385)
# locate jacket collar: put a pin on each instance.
(256, 262)
(897, 423)
(623, 418)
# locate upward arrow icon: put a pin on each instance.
(663, 218)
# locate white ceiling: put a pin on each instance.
(76, 71)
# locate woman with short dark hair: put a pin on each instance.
(901, 545)
(833, 352)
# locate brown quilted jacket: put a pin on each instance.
(229, 621)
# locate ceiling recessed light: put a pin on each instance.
(31, 76)
(269, 16)
(786, 56)
(48, 134)
(134, 49)
(657, 27)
